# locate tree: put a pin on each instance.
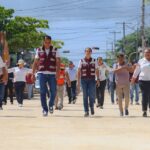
(5, 16)
(23, 33)
(133, 41)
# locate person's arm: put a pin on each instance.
(5, 75)
(58, 61)
(57, 67)
(67, 79)
(135, 74)
(97, 74)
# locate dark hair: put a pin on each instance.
(47, 37)
(88, 48)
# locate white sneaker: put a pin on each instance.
(20, 105)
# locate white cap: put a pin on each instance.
(20, 61)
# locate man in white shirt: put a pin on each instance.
(72, 72)
(3, 80)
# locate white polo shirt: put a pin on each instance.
(72, 73)
(143, 70)
(20, 73)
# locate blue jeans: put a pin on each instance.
(134, 87)
(89, 90)
(112, 90)
(30, 90)
(51, 80)
(2, 89)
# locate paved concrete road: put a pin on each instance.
(26, 129)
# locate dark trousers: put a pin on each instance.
(8, 91)
(2, 90)
(145, 89)
(71, 91)
(100, 93)
(19, 90)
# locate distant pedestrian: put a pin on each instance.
(100, 90)
(71, 90)
(63, 77)
(20, 73)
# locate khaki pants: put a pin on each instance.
(123, 91)
(60, 95)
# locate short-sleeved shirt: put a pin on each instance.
(121, 77)
(19, 73)
(47, 52)
(143, 70)
(72, 73)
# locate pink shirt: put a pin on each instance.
(122, 77)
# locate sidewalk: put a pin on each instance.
(26, 129)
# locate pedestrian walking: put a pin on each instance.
(143, 70)
(63, 77)
(20, 73)
(47, 62)
(71, 90)
(87, 71)
(3, 80)
(122, 83)
(100, 90)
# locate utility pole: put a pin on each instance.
(114, 32)
(143, 25)
(124, 34)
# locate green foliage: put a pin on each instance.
(23, 33)
(5, 15)
(65, 61)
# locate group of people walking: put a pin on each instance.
(90, 75)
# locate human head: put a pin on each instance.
(71, 65)
(100, 60)
(147, 54)
(47, 42)
(121, 58)
(20, 63)
(88, 52)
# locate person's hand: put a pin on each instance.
(33, 78)
(133, 80)
(97, 83)
(69, 84)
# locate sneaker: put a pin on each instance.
(98, 105)
(4, 103)
(45, 114)
(11, 103)
(74, 101)
(86, 114)
(144, 114)
(69, 102)
(121, 114)
(20, 105)
(126, 112)
(137, 103)
(101, 107)
(51, 110)
(92, 111)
